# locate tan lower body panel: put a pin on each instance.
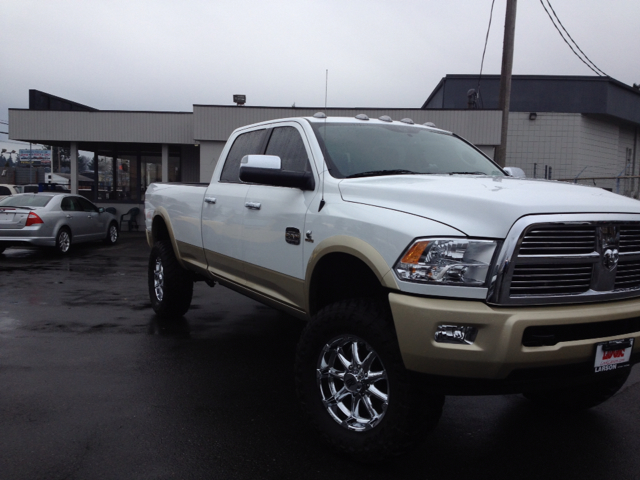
(280, 291)
(498, 349)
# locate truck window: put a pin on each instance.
(286, 143)
(246, 144)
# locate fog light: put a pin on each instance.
(459, 334)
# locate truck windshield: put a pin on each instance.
(373, 149)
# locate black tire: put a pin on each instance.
(112, 234)
(170, 285)
(63, 241)
(377, 431)
(580, 397)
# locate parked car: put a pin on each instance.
(53, 219)
(7, 190)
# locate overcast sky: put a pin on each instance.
(168, 55)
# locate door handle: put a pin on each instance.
(210, 199)
(68, 216)
(253, 205)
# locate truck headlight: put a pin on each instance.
(447, 261)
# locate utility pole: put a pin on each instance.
(505, 78)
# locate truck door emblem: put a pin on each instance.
(292, 236)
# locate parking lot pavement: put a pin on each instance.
(92, 386)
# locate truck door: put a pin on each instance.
(273, 234)
(224, 208)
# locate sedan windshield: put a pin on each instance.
(374, 149)
(25, 200)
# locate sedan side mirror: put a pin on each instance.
(267, 170)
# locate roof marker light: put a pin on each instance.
(385, 118)
(430, 124)
(362, 116)
(408, 120)
(320, 115)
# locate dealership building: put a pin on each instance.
(582, 129)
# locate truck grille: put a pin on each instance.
(550, 280)
(569, 262)
(628, 275)
(559, 241)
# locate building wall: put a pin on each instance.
(573, 146)
(209, 153)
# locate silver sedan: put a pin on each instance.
(49, 219)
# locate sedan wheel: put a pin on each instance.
(112, 235)
(63, 241)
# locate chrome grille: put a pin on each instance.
(579, 258)
(559, 240)
(628, 274)
(630, 239)
(550, 279)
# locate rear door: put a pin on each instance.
(273, 234)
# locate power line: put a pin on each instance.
(595, 69)
(486, 40)
(573, 41)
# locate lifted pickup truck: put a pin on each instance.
(422, 268)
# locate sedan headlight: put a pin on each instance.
(447, 261)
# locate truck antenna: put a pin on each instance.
(326, 89)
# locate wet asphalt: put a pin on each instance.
(93, 386)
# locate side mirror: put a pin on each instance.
(267, 170)
(100, 209)
(515, 172)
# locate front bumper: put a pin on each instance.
(497, 352)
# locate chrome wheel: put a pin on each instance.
(158, 280)
(353, 383)
(64, 241)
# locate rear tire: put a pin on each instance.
(578, 398)
(353, 386)
(63, 241)
(112, 234)
(170, 285)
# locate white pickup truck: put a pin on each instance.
(422, 268)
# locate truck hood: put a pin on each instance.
(481, 206)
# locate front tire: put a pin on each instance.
(112, 234)
(353, 386)
(578, 398)
(63, 241)
(170, 285)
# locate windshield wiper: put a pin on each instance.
(378, 173)
(467, 173)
